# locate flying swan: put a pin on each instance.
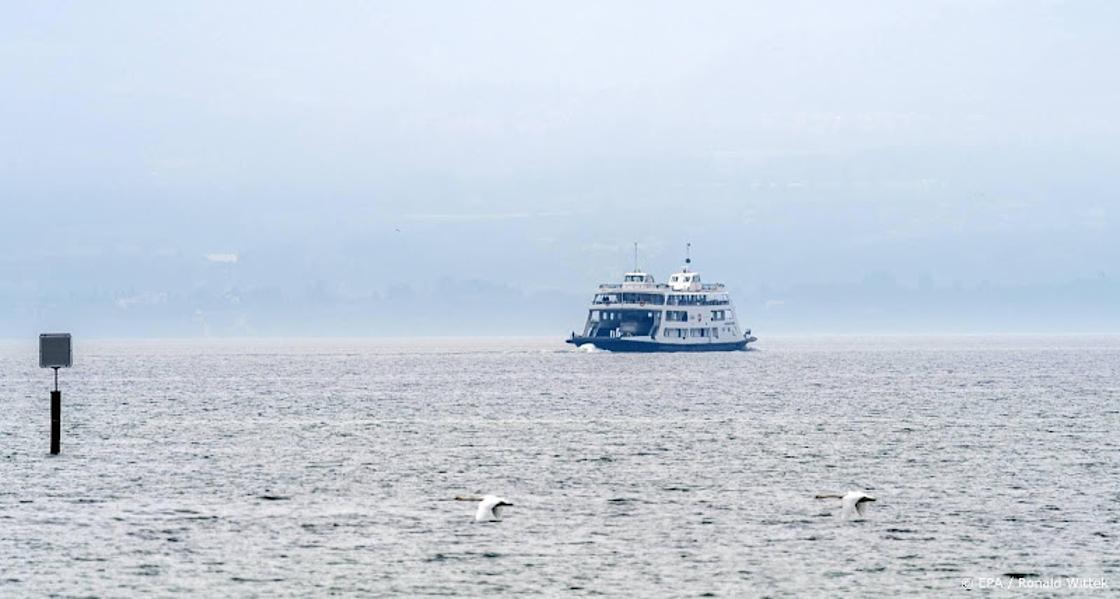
(852, 504)
(489, 507)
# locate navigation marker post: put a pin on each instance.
(54, 352)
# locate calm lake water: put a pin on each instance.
(316, 467)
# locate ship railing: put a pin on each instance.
(701, 303)
(640, 304)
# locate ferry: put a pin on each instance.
(640, 315)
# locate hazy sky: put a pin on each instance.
(341, 150)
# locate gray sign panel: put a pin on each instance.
(54, 350)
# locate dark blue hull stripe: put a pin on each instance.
(624, 345)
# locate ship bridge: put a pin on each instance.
(685, 281)
(637, 279)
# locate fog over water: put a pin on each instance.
(319, 258)
(275, 168)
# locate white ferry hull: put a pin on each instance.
(640, 344)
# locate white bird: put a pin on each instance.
(852, 503)
(489, 507)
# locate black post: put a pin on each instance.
(56, 415)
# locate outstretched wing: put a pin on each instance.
(861, 504)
